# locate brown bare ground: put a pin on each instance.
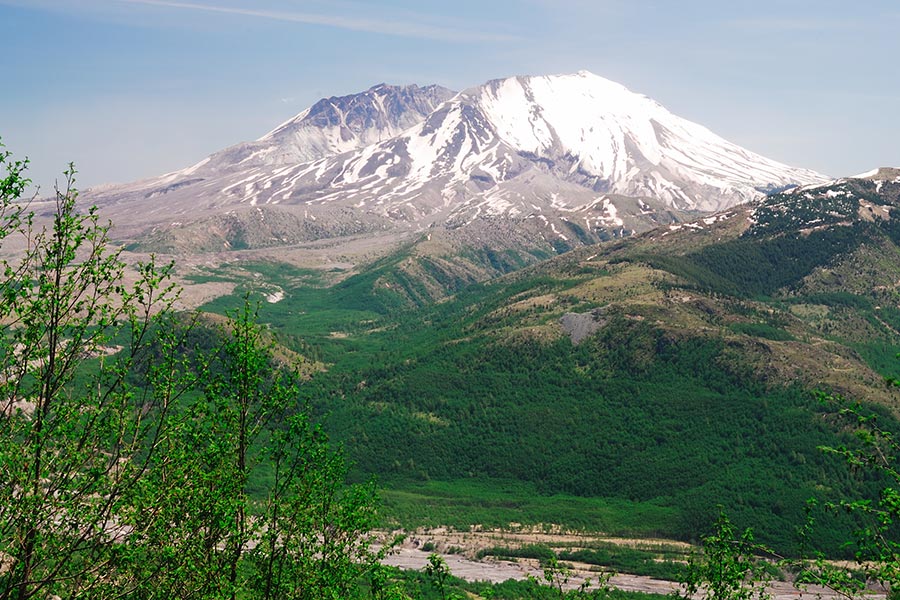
(459, 550)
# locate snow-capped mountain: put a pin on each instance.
(329, 127)
(332, 126)
(611, 139)
(570, 151)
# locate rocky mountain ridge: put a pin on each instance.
(572, 159)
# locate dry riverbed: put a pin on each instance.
(460, 548)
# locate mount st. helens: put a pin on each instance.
(526, 166)
(668, 371)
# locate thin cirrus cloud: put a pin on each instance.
(797, 25)
(371, 25)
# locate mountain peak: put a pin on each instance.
(589, 77)
(395, 107)
(330, 126)
(576, 155)
(615, 140)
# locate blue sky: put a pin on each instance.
(133, 88)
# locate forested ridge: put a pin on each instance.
(695, 392)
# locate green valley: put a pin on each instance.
(690, 391)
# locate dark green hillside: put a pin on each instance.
(690, 387)
(650, 421)
(750, 267)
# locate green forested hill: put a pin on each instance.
(689, 386)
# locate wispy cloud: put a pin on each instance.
(797, 25)
(400, 28)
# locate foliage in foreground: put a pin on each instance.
(727, 568)
(730, 568)
(876, 541)
(126, 458)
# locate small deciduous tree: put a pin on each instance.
(126, 458)
(727, 568)
(877, 539)
(309, 536)
(438, 572)
(557, 576)
(74, 444)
